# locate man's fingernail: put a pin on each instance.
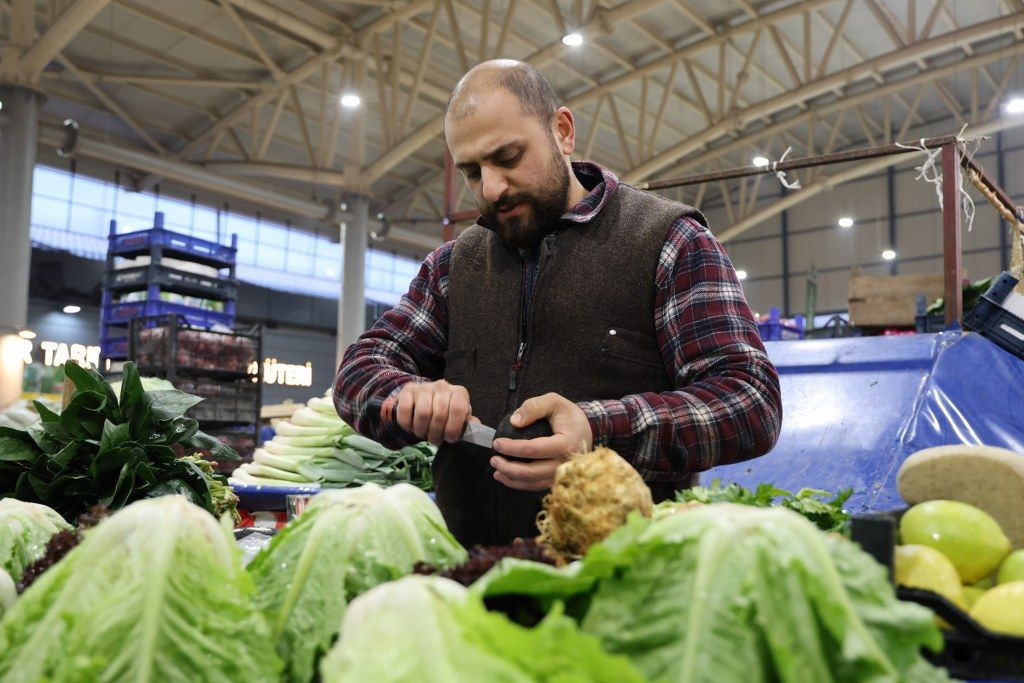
(517, 418)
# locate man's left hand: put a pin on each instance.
(571, 434)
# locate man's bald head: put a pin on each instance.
(527, 84)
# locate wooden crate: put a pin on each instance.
(891, 300)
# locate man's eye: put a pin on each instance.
(473, 175)
(510, 161)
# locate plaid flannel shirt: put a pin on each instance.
(725, 407)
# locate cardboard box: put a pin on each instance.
(891, 300)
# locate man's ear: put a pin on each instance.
(563, 128)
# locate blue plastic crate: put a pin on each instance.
(115, 348)
(775, 329)
(122, 314)
(203, 251)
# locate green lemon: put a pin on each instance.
(1002, 608)
(1012, 568)
(918, 566)
(968, 536)
(972, 593)
(985, 583)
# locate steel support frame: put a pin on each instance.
(953, 161)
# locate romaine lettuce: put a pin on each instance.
(25, 529)
(422, 629)
(346, 542)
(155, 592)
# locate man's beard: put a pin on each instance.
(540, 214)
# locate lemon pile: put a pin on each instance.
(960, 552)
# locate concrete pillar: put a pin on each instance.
(18, 128)
(352, 300)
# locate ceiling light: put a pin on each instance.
(888, 254)
(845, 222)
(350, 100)
(761, 162)
(27, 334)
(1015, 105)
(71, 309)
(572, 39)
(741, 274)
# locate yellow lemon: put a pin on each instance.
(972, 593)
(1012, 568)
(1002, 608)
(968, 536)
(918, 566)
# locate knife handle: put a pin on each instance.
(539, 428)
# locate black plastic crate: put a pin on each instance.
(990, 319)
(971, 651)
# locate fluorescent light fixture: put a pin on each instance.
(27, 334)
(572, 39)
(1015, 105)
(761, 161)
(888, 254)
(845, 222)
(71, 309)
(350, 100)
(741, 274)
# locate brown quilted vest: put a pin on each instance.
(590, 336)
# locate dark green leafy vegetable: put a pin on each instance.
(109, 450)
(814, 504)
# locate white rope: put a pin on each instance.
(931, 172)
(781, 175)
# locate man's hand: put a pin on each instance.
(571, 434)
(434, 411)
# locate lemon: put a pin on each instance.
(918, 566)
(1012, 568)
(972, 593)
(968, 536)
(985, 583)
(1002, 608)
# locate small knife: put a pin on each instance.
(482, 435)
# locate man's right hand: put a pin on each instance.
(435, 411)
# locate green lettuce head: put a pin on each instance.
(25, 529)
(421, 629)
(155, 592)
(346, 542)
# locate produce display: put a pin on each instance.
(25, 529)
(346, 542)
(424, 628)
(195, 349)
(155, 592)
(316, 447)
(22, 414)
(109, 449)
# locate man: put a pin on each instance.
(609, 311)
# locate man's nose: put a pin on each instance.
(494, 185)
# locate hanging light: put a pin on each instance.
(761, 161)
(845, 222)
(1015, 105)
(741, 274)
(71, 309)
(889, 254)
(26, 334)
(572, 39)
(351, 100)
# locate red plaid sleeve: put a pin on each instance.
(726, 406)
(406, 344)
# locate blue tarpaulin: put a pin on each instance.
(855, 408)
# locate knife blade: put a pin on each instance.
(477, 433)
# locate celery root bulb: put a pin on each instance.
(591, 497)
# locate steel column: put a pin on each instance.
(951, 246)
(352, 300)
(448, 231)
(1004, 227)
(890, 187)
(784, 216)
(18, 129)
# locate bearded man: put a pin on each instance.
(611, 312)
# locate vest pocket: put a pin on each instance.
(459, 363)
(631, 347)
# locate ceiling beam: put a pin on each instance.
(57, 36)
(820, 86)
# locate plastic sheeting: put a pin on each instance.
(854, 409)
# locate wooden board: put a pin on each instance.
(891, 300)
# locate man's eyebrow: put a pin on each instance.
(490, 155)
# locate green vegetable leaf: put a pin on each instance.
(113, 436)
(17, 446)
(84, 416)
(218, 449)
(168, 404)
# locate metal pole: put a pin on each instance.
(448, 229)
(1004, 227)
(17, 162)
(951, 247)
(785, 256)
(352, 300)
(890, 186)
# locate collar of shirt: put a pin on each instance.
(602, 185)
